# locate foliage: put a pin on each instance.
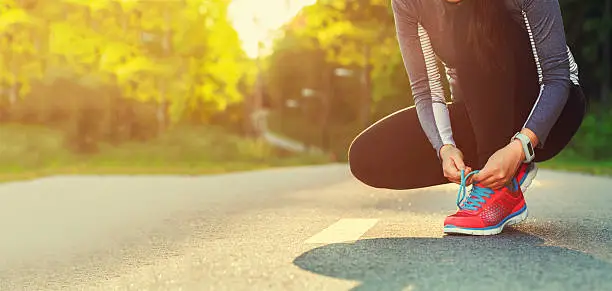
(589, 32)
(97, 56)
(129, 70)
(29, 151)
(360, 36)
(594, 138)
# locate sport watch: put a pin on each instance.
(527, 147)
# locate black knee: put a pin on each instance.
(362, 162)
(566, 127)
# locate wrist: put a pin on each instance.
(517, 148)
(532, 136)
(445, 149)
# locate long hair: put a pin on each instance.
(486, 20)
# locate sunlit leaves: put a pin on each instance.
(13, 16)
(183, 53)
(343, 30)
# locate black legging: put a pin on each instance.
(394, 153)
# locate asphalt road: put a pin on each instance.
(312, 228)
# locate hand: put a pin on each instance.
(501, 166)
(452, 164)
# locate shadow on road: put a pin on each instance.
(513, 260)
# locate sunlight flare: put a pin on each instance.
(255, 21)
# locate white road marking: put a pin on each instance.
(344, 230)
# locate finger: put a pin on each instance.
(495, 182)
(471, 178)
(450, 177)
(489, 183)
(480, 176)
(485, 178)
(454, 180)
(446, 169)
(451, 172)
(497, 185)
(459, 164)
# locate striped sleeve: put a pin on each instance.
(555, 64)
(421, 66)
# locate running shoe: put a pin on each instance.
(526, 174)
(485, 211)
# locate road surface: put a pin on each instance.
(310, 228)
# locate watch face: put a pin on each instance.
(530, 148)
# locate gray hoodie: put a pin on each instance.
(423, 32)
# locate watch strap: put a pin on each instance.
(527, 147)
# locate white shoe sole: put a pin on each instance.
(529, 178)
(515, 218)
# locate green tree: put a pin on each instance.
(19, 62)
(183, 56)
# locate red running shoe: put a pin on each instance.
(485, 211)
(526, 174)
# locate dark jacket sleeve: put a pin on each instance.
(544, 24)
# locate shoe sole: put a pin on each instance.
(528, 179)
(512, 219)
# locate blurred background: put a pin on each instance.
(210, 86)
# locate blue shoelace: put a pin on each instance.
(477, 194)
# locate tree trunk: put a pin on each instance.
(256, 102)
(326, 100)
(13, 94)
(161, 107)
(14, 89)
(247, 123)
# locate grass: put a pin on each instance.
(29, 152)
(297, 128)
(294, 127)
(576, 164)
